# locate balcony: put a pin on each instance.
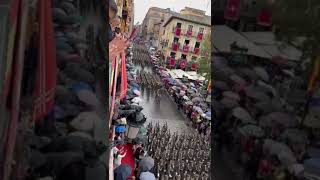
(177, 31)
(183, 63)
(189, 33)
(200, 36)
(175, 46)
(196, 51)
(185, 48)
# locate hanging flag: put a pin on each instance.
(264, 17)
(124, 79)
(232, 11)
(13, 21)
(183, 64)
(314, 76)
(47, 66)
(209, 86)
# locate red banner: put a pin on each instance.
(172, 62)
(196, 50)
(189, 33)
(175, 46)
(183, 64)
(194, 67)
(232, 11)
(186, 49)
(264, 18)
(178, 31)
(124, 83)
(47, 66)
(200, 37)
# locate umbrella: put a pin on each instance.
(243, 115)
(312, 165)
(282, 118)
(136, 92)
(185, 97)
(120, 129)
(189, 103)
(221, 85)
(81, 86)
(262, 73)
(237, 79)
(229, 103)
(296, 169)
(86, 121)
(312, 121)
(295, 136)
(231, 95)
(146, 164)
(196, 99)
(268, 106)
(283, 152)
(314, 152)
(81, 134)
(267, 87)
(252, 130)
(136, 100)
(254, 93)
(122, 172)
(88, 97)
(198, 109)
(248, 73)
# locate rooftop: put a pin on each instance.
(197, 19)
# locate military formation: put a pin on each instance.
(141, 56)
(178, 156)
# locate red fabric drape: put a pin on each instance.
(264, 18)
(178, 31)
(172, 62)
(232, 11)
(183, 64)
(194, 67)
(124, 83)
(47, 68)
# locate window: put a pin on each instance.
(197, 45)
(186, 42)
(172, 54)
(201, 30)
(175, 40)
(183, 56)
(178, 25)
(190, 28)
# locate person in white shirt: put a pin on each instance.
(118, 157)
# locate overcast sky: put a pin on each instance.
(141, 7)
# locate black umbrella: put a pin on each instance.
(122, 172)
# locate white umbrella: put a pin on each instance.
(276, 118)
(185, 97)
(88, 97)
(229, 103)
(254, 93)
(295, 136)
(237, 79)
(136, 100)
(85, 121)
(221, 85)
(283, 152)
(136, 92)
(231, 95)
(262, 73)
(252, 130)
(243, 115)
(312, 121)
(198, 109)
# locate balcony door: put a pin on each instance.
(178, 25)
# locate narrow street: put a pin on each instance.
(165, 112)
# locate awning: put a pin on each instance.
(267, 42)
(224, 36)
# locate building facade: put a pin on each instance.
(243, 15)
(126, 12)
(152, 23)
(182, 34)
